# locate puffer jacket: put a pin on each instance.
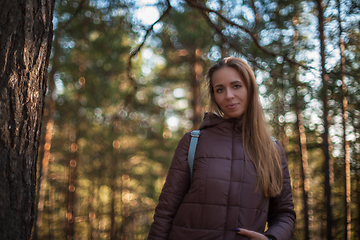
(221, 197)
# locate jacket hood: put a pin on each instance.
(226, 126)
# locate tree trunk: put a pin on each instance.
(71, 198)
(325, 137)
(347, 181)
(304, 169)
(347, 197)
(25, 40)
(301, 137)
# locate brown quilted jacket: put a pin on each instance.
(222, 195)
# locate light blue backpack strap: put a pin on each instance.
(192, 149)
(274, 140)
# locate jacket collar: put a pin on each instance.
(227, 126)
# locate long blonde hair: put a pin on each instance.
(256, 138)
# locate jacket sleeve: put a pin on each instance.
(175, 187)
(281, 216)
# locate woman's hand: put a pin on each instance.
(251, 234)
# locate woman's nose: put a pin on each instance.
(229, 94)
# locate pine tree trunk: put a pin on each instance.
(25, 40)
(301, 136)
(325, 137)
(197, 76)
(347, 180)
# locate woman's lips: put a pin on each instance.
(230, 106)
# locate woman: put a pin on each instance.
(240, 177)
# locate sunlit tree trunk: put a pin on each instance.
(301, 138)
(25, 40)
(347, 199)
(325, 137)
(196, 78)
(347, 182)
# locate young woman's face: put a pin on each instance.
(230, 92)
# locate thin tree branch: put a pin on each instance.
(223, 37)
(217, 29)
(137, 50)
(252, 34)
(150, 29)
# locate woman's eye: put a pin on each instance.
(219, 90)
(237, 86)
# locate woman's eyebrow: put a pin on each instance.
(236, 81)
(233, 82)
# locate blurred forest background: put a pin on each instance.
(126, 81)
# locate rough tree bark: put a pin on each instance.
(25, 44)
